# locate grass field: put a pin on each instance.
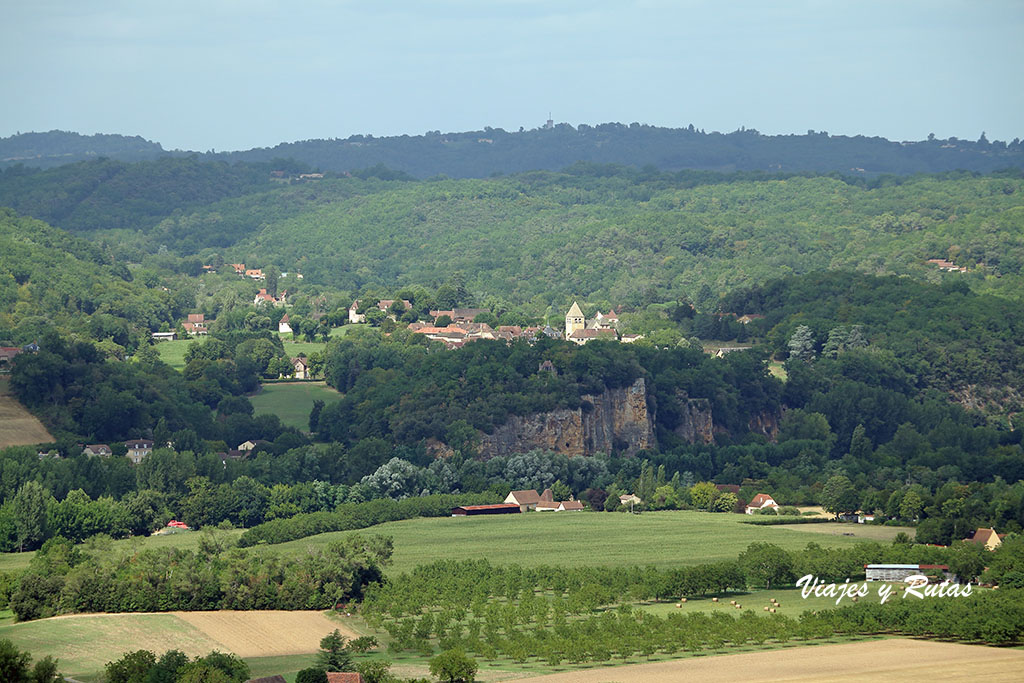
(661, 539)
(173, 352)
(18, 427)
(292, 401)
(868, 532)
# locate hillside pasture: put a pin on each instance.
(18, 427)
(661, 539)
(173, 352)
(292, 401)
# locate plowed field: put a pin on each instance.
(894, 659)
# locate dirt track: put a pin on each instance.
(893, 659)
(264, 633)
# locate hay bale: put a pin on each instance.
(683, 600)
(766, 608)
(714, 599)
(772, 610)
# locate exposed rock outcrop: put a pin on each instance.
(617, 419)
(695, 424)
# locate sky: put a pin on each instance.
(237, 74)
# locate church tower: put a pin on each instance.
(574, 320)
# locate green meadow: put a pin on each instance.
(173, 352)
(661, 539)
(292, 401)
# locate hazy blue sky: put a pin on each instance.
(234, 74)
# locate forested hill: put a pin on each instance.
(57, 147)
(478, 154)
(482, 153)
(628, 241)
(612, 234)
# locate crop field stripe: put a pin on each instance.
(18, 427)
(878, 660)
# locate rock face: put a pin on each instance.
(617, 419)
(695, 425)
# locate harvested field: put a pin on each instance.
(264, 633)
(18, 427)
(84, 643)
(894, 659)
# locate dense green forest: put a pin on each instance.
(612, 235)
(58, 147)
(484, 152)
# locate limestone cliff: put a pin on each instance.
(617, 419)
(695, 424)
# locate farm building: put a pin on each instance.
(761, 501)
(528, 498)
(899, 572)
(986, 537)
(498, 509)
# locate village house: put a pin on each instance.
(986, 537)
(7, 354)
(196, 324)
(528, 499)
(630, 500)
(459, 315)
(138, 449)
(239, 268)
(94, 449)
(747, 319)
(946, 266)
(283, 326)
(761, 501)
(164, 336)
(604, 322)
(301, 368)
(264, 299)
(255, 274)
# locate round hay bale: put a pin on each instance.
(714, 599)
(766, 608)
(679, 604)
(772, 610)
(683, 600)
(732, 602)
